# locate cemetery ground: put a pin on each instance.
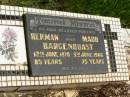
(109, 90)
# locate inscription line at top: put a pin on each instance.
(67, 22)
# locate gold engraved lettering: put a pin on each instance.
(90, 38)
(51, 54)
(98, 54)
(80, 46)
(40, 36)
(85, 61)
(57, 54)
(67, 46)
(38, 54)
(64, 54)
(85, 54)
(96, 61)
(52, 61)
(77, 54)
(58, 46)
(37, 61)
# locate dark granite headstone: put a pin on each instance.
(63, 45)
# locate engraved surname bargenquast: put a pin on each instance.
(67, 46)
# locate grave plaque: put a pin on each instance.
(64, 45)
